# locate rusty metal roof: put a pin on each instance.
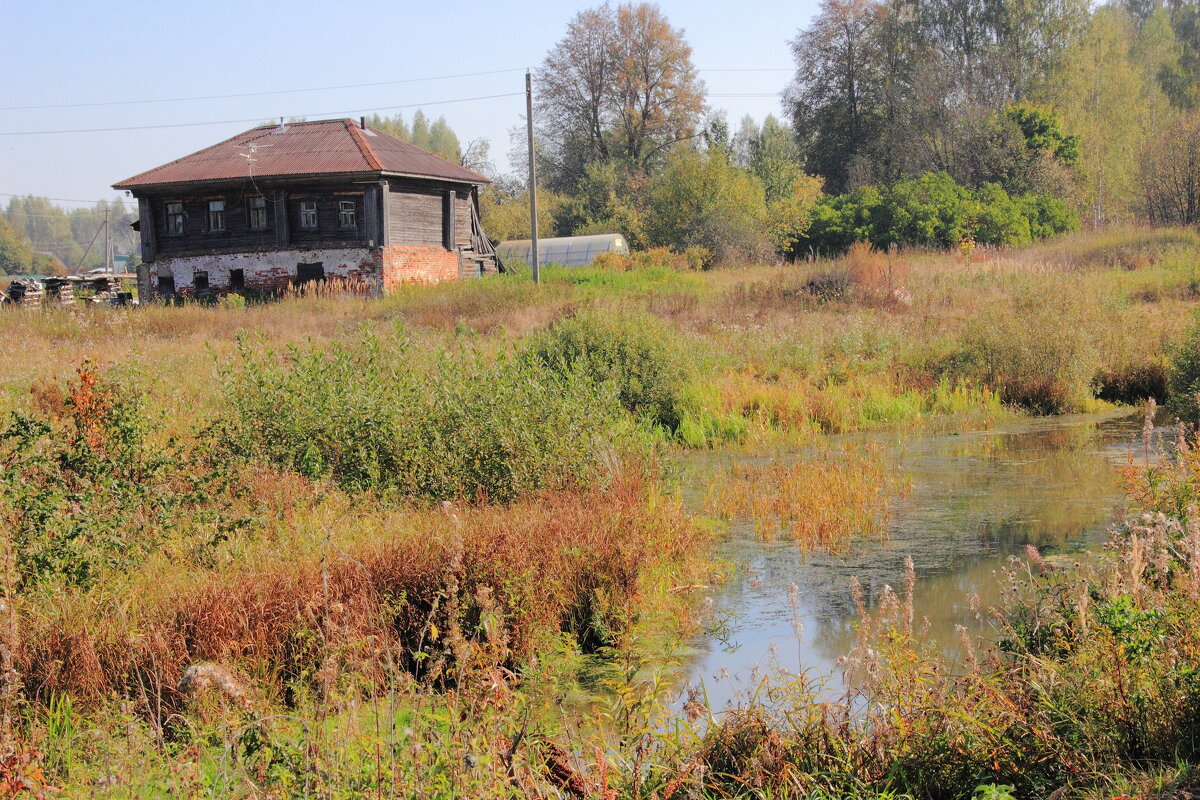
(322, 147)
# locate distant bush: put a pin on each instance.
(701, 199)
(372, 417)
(619, 262)
(932, 210)
(1039, 352)
(637, 354)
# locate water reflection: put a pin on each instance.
(977, 498)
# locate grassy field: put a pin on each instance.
(424, 546)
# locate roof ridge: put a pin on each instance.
(364, 146)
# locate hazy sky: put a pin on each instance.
(71, 53)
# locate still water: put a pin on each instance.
(977, 499)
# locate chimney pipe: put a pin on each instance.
(362, 123)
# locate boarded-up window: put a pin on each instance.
(415, 218)
(310, 272)
(166, 285)
(200, 281)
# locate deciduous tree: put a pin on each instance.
(619, 86)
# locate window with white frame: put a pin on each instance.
(258, 213)
(308, 214)
(347, 215)
(175, 219)
(216, 215)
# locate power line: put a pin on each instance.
(56, 199)
(258, 94)
(267, 93)
(256, 119)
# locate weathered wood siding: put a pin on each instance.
(281, 231)
(196, 235)
(462, 220)
(414, 217)
(328, 230)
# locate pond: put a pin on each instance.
(976, 500)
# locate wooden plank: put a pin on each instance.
(370, 214)
(282, 227)
(385, 207)
(146, 224)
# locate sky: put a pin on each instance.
(115, 56)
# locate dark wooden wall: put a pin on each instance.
(415, 217)
(238, 235)
(402, 212)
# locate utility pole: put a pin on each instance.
(108, 244)
(537, 274)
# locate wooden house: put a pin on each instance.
(281, 205)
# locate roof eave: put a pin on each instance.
(465, 181)
(125, 185)
(290, 176)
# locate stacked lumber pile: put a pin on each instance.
(60, 291)
(26, 292)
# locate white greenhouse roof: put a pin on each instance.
(568, 250)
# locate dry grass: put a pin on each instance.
(354, 596)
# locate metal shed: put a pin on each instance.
(572, 251)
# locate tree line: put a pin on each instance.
(906, 122)
(38, 237)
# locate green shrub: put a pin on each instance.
(932, 210)
(1001, 220)
(84, 489)
(1183, 376)
(372, 417)
(635, 353)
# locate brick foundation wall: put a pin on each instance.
(414, 264)
(383, 269)
(273, 270)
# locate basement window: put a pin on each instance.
(174, 219)
(216, 215)
(258, 213)
(307, 273)
(308, 214)
(347, 216)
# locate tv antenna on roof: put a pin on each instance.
(250, 159)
